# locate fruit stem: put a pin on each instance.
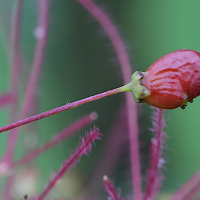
(126, 88)
(61, 109)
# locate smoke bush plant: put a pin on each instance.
(8, 165)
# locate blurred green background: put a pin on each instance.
(80, 61)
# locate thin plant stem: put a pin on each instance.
(110, 189)
(38, 59)
(59, 109)
(15, 57)
(41, 35)
(81, 150)
(14, 75)
(56, 139)
(155, 155)
(192, 193)
(134, 146)
(122, 55)
(187, 188)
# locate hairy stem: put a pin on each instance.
(156, 148)
(56, 139)
(59, 109)
(81, 150)
(110, 188)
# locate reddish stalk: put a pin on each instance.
(81, 150)
(155, 156)
(14, 75)
(110, 188)
(59, 109)
(134, 145)
(15, 57)
(38, 59)
(192, 193)
(190, 188)
(56, 139)
(122, 55)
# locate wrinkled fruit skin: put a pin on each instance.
(173, 80)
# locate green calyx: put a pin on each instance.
(135, 86)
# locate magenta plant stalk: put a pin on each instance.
(192, 193)
(56, 139)
(41, 36)
(60, 109)
(43, 19)
(189, 188)
(134, 146)
(155, 155)
(38, 59)
(122, 55)
(81, 150)
(14, 76)
(114, 195)
(15, 57)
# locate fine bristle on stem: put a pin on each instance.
(154, 178)
(82, 149)
(59, 109)
(56, 139)
(114, 195)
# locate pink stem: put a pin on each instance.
(134, 146)
(38, 58)
(192, 193)
(156, 147)
(59, 109)
(41, 35)
(56, 139)
(15, 57)
(111, 189)
(188, 187)
(14, 76)
(113, 34)
(81, 150)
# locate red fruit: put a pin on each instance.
(171, 81)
